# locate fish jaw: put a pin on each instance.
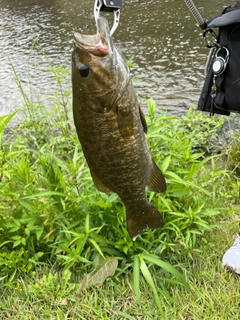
(94, 44)
(100, 44)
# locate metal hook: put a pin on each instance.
(108, 6)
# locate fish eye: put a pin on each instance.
(84, 71)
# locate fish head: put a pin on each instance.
(100, 72)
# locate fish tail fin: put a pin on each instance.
(147, 216)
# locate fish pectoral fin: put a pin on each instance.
(125, 121)
(157, 182)
(145, 217)
(143, 120)
(98, 184)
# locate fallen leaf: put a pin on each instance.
(99, 275)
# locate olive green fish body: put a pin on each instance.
(111, 126)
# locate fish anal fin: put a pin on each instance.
(157, 181)
(125, 121)
(99, 185)
(147, 217)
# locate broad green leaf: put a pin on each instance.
(166, 266)
(151, 107)
(112, 251)
(96, 246)
(165, 164)
(16, 243)
(4, 120)
(27, 231)
(17, 222)
(26, 205)
(196, 167)
(4, 243)
(2, 278)
(176, 178)
(165, 202)
(45, 194)
(39, 232)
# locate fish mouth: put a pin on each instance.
(99, 44)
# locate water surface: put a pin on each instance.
(167, 45)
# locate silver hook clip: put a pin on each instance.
(108, 6)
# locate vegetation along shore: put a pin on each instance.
(65, 252)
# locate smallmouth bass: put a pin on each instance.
(111, 128)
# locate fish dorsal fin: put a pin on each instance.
(125, 121)
(157, 181)
(98, 184)
(143, 120)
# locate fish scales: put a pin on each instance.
(117, 160)
(110, 128)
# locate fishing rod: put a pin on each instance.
(203, 25)
(197, 15)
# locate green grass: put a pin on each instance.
(65, 252)
(214, 292)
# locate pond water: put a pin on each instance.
(167, 45)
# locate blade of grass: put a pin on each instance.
(147, 276)
(166, 266)
(136, 278)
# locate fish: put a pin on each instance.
(111, 127)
